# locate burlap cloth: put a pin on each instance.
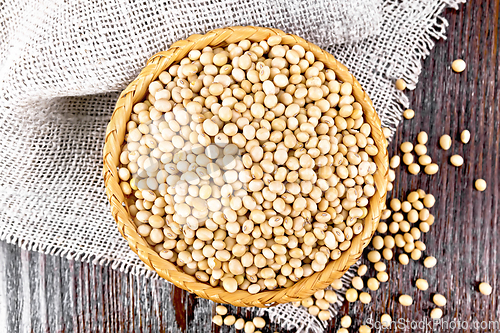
(62, 64)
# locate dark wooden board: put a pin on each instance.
(41, 293)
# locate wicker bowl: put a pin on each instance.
(115, 133)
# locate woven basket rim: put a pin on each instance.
(115, 133)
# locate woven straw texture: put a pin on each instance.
(115, 134)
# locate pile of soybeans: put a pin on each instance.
(249, 166)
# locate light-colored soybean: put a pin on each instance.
(373, 284)
(445, 142)
(431, 169)
(400, 84)
(406, 147)
(480, 185)
(364, 329)
(457, 160)
(408, 113)
(414, 168)
(346, 321)
(436, 313)
(430, 262)
(386, 320)
(422, 284)
(405, 300)
(458, 65)
(394, 163)
(485, 288)
(439, 300)
(351, 295)
(465, 136)
(422, 138)
(217, 320)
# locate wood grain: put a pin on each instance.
(40, 293)
(465, 235)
